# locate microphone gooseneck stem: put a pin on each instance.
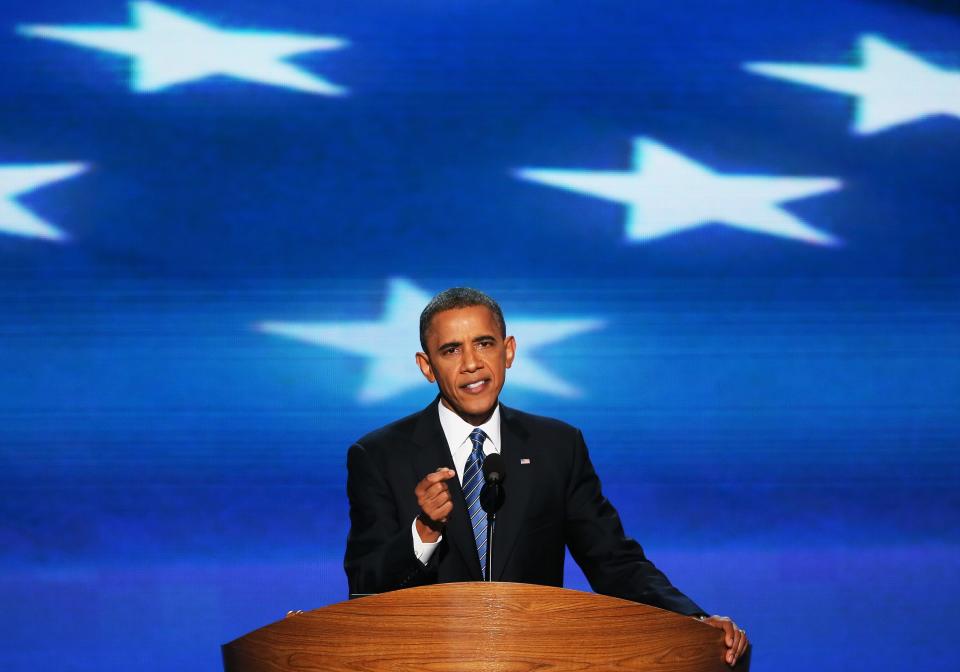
(491, 519)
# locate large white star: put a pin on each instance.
(16, 180)
(171, 48)
(892, 86)
(667, 193)
(390, 344)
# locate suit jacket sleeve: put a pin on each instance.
(614, 564)
(379, 555)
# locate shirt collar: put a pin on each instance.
(457, 430)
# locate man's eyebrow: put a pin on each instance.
(456, 344)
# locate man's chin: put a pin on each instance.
(475, 411)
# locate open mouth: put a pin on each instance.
(476, 386)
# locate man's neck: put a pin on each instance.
(475, 420)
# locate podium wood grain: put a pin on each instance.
(465, 627)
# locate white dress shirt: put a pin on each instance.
(457, 432)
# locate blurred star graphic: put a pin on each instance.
(16, 180)
(667, 193)
(390, 344)
(892, 86)
(170, 48)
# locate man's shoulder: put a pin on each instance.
(521, 422)
(530, 422)
(403, 428)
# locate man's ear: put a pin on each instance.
(510, 345)
(424, 363)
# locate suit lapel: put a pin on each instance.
(434, 452)
(517, 486)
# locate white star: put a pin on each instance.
(892, 86)
(16, 180)
(171, 48)
(391, 342)
(667, 193)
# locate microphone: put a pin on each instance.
(494, 473)
(491, 499)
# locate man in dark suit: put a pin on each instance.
(415, 522)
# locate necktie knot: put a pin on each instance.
(478, 436)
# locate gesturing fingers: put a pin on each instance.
(438, 477)
(433, 484)
(435, 490)
(441, 511)
(433, 495)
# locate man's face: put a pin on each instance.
(468, 359)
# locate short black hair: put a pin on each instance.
(458, 297)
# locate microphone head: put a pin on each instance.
(494, 468)
(491, 494)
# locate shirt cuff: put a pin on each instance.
(422, 549)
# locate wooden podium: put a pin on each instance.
(459, 627)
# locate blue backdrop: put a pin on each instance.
(725, 235)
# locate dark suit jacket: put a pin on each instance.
(552, 501)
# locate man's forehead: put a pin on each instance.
(469, 321)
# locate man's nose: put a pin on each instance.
(471, 362)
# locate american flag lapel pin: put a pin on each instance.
(524, 460)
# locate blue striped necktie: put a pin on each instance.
(472, 484)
